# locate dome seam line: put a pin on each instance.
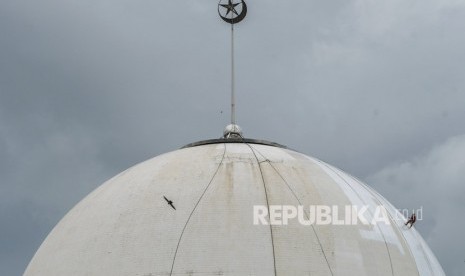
(195, 207)
(305, 213)
(268, 206)
(375, 194)
(371, 213)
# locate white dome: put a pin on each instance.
(126, 227)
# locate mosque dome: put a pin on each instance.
(191, 212)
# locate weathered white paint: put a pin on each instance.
(125, 227)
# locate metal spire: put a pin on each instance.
(224, 10)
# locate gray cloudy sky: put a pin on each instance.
(89, 88)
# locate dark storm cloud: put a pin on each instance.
(88, 88)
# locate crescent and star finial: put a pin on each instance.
(232, 11)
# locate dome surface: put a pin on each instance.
(127, 227)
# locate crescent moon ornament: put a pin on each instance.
(229, 11)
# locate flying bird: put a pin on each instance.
(170, 203)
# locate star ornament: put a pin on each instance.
(230, 7)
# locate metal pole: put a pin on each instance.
(233, 96)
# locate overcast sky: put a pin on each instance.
(89, 88)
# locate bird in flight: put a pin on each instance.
(170, 203)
